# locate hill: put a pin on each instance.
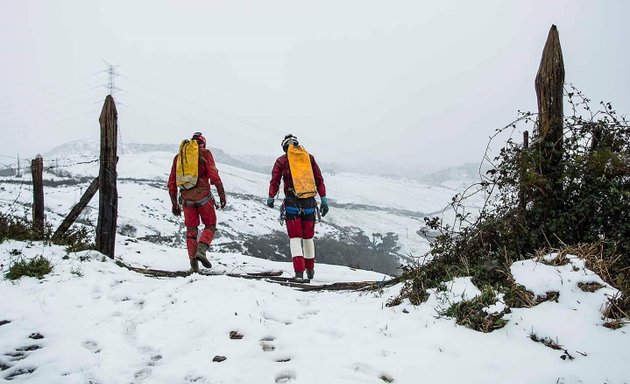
(372, 225)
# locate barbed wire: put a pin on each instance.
(17, 198)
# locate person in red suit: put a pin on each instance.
(198, 203)
(300, 212)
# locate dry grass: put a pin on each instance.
(548, 296)
(614, 324)
(590, 286)
(611, 267)
(582, 251)
(516, 296)
(615, 308)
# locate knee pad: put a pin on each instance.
(296, 246)
(191, 232)
(309, 248)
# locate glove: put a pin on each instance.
(323, 209)
(270, 202)
(221, 193)
(177, 211)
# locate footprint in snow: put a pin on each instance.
(267, 346)
(91, 346)
(285, 376)
(20, 354)
(308, 314)
(267, 343)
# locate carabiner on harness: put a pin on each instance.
(283, 214)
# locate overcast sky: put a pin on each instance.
(407, 84)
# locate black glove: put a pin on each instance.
(177, 211)
(270, 202)
(221, 193)
(323, 209)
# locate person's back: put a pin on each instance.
(197, 203)
(299, 211)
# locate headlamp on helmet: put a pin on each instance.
(289, 139)
(197, 136)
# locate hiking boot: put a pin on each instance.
(310, 273)
(194, 266)
(299, 275)
(201, 255)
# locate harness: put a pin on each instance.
(298, 211)
(197, 203)
(284, 210)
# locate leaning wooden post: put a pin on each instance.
(549, 93)
(76, 210)
(37, 168)
(108, 194)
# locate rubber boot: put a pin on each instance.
(201, 255)
(194, 265)
(310, 273)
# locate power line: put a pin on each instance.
(111, 79)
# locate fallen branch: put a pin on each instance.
(272, 277)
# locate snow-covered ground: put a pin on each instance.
(373, 204)
(101, 323)
(92, 321)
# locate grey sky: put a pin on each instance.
(406, 84)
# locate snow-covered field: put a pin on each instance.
(100, 323)
(374, 204)
(92, 321)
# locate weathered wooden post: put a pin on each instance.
(18, 174)
(108, 194)
(37, 168)
(549, 86)
(77, 209)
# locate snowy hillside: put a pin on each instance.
(361, 205)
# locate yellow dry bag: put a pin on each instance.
(187, 164)
(301, 172)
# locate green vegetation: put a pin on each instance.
(588, 215)
(472, 313)
(76, 240)
(17, 229)
(36, 267)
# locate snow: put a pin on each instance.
(105, 324)
(375, 204)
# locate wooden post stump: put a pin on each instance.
(37, 169)
(549, 86)
(108, 193)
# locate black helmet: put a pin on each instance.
(289, 139)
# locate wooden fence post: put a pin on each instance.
(37, 168)
(549, 86)
(77, 209)
(108, 194)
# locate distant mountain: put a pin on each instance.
(91, 149)
(373, 224)
(457, 177)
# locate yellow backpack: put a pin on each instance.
(301, 172)
(187, 164)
